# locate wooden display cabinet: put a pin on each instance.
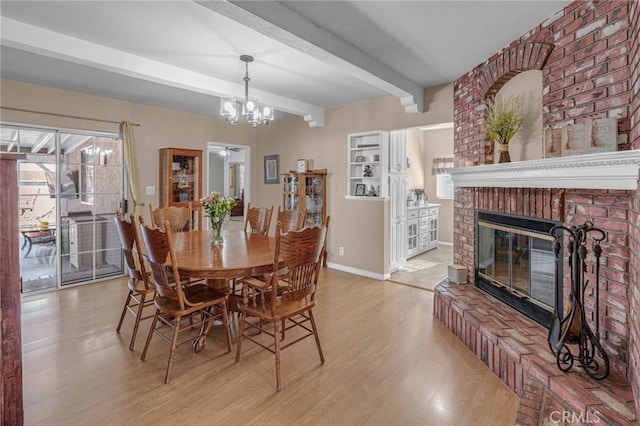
(181, 179)
(306, 190)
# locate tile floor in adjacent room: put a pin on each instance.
(427, 269)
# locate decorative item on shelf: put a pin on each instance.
(302, 166)
(217, 208)
(254, 112)
(552, 142)
(367, 171)
(591, 136)
(502, 120)
(360, 188)
(361, 159)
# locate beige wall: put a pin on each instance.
(358, 226)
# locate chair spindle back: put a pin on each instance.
(159, 246)
(258, 219)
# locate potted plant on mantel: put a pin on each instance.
(502, 120)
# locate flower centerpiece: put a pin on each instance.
(216, 208)
(502, 120)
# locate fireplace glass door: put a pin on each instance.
(518, 261)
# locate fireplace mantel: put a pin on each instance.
(607, 170)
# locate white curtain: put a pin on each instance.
(132, 170)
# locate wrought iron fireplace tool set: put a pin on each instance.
(573, 329)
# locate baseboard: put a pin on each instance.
(356, 271)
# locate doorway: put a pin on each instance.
(70, 185)
(229, 173)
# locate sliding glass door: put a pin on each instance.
(71, 185)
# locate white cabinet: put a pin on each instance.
(398, 151)
(83, 239)
(398, 220)
(422, 229)
(368, 156)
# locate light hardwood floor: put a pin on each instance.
(388, 362)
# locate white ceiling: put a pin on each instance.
(309, 55)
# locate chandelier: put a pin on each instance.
(232, 109)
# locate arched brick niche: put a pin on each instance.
(509, 63)
(484, 82)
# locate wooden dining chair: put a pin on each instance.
(180, 218)
(292, 220)
(198, 303)
(287, 299)
(258, 219)
(141, 291)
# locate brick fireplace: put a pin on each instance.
(589, 56)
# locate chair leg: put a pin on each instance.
(151, 330)
(277, 352)
(174, 342)
(124, 311)
(240, 334)
(137, 321)
(225, 324)
(315, 334)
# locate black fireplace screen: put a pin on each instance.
(515, 262)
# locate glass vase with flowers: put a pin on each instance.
(216, 208)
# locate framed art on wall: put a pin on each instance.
(271, 169)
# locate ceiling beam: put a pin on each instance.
(280, 23)
(29, 38)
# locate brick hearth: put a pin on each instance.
(515, 348)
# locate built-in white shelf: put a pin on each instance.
(606, 170)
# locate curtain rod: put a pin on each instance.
(66, 116)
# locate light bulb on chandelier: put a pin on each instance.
(250, 108)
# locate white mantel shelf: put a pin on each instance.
(607, 170)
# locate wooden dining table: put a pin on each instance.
(241, 255)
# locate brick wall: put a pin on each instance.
(634, 214)
(584, 54)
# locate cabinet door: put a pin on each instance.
(398, 220)
(314, 199)
(306, 191)
(412, 237)
(290, 192)
(433, 230)
(397, 151)
(180, 177)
